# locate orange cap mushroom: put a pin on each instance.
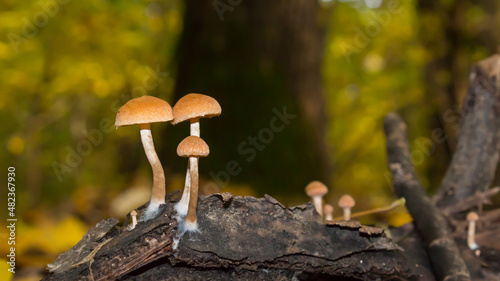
(328, 211)
(346, 202)
(144, 111)
(316, 190)
(192, 107)
(193, 147)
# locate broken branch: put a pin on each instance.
(430, 224)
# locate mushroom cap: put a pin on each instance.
(346, 201)
(143, 110)
(316, 188)
(193, 146)
(328, 209)
(133, 213)
(195, 106)
(472, 216)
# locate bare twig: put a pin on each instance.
(479, 198)
(430, 224)
(394, 205)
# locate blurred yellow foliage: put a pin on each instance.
(373, 62)
(48, 235)
(16, 145)
(5, 275)
(399, 218)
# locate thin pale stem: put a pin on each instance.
(193, 198)
(347, 214)
(471, 233)
(329, 217)
(318, 204)
(182, 205)
(158, 192)
(134, 220)
(195, 127)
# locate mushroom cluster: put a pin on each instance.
(146, 110)
(317, 190)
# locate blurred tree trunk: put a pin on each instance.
(453, 40)
(260, 60)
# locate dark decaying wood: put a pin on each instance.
(475, 161)
(407, 238)
(430, 223)
(239, 238)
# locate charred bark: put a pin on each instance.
(240, 238)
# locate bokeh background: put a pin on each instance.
(336, 67)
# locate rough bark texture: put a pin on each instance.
(240, 238)
(407, 238)
(430, 224)
(475, 161)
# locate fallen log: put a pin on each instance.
(239, 238)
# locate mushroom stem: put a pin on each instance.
(195, 127)
(318, 204)
(329, 217)
(347, 214)
(134, 218)
(193, 200)
(182, 206)
(158, 192)
(471, 242)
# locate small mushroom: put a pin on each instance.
(400, 202)
(346, 203)
(133, 214)
(328, 211)
(193, 147)
(316, 190)
(144, 111)
(472, 217)
(192, 107)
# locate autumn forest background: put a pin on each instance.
(332, 68)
